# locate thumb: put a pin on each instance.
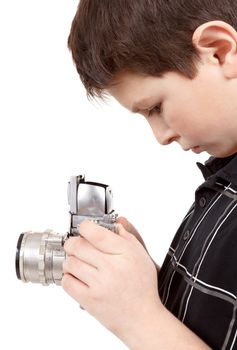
(127, 226)
(131, 229)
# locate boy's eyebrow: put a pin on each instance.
(139, 105)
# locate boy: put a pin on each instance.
(174, 62)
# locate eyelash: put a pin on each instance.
(157, 109)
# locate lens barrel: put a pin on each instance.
(39, 257)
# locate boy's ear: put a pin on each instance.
(216, 42)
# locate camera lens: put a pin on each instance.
(39, 257)
(17, 261)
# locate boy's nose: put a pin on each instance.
(163, 133)
(167, 138)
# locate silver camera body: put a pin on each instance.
(40, 255)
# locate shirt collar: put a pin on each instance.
(224, 168)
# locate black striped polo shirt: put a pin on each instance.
(198, 279)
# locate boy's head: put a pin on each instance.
(179, 56)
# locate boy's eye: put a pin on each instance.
(154, 110)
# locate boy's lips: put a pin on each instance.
(195, 149)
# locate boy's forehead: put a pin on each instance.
(133, 90)
(123, 80)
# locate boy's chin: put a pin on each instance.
(222, 153)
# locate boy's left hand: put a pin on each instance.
(112, 277)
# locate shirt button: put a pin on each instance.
(202, 202)
(186, 235)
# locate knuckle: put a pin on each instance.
(69, 264)
(72, 245)
(65, 263)
(84, 226)
(68, 243)
(96, 294)
(66, 282)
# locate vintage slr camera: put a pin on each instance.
(40, 255)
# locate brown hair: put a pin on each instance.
(143, 36)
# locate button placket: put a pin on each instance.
(186, 235)
(202, 202)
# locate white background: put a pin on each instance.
(48, 132)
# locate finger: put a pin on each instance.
(101, 238)
(79, 269)
(126, 224)
(83, 250)
(75, 288)
(130, 228)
